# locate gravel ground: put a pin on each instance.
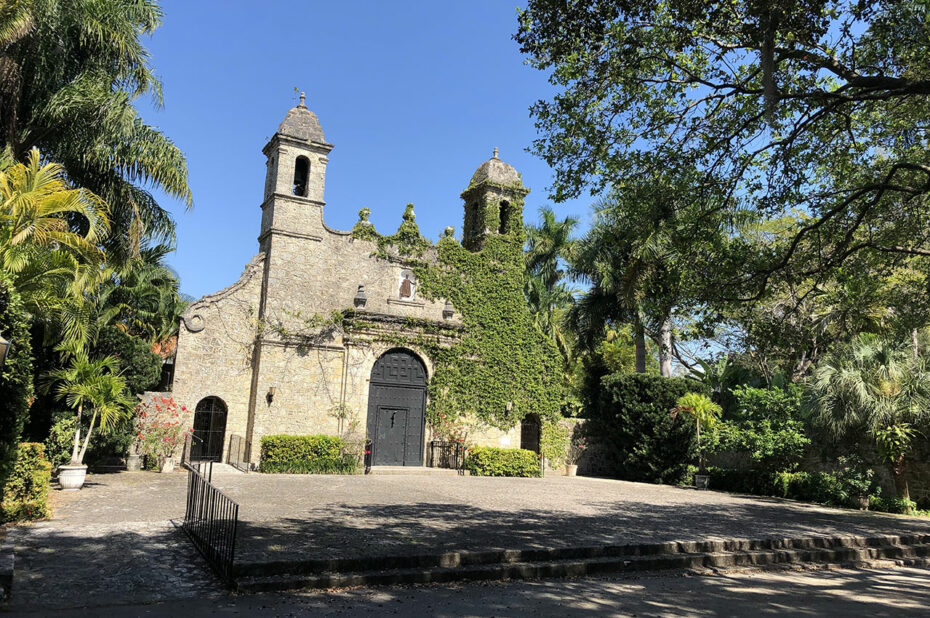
(113, 542)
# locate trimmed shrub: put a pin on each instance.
(631, 417)
(765, 425)
(836, 489)
(26, 490)
(490, 461)
(316, 454)
(901, 506)
(60, 440)
(15, 375)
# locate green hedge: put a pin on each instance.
(15, 375)
(821, 487)
(490, 461)
(317, 454)
(26, 489)
(630, 415)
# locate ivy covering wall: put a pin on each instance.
(501, 367)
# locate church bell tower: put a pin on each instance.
(493, 203)
(295, 176)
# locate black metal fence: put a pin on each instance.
(236, 454)
(368, 445)
(442, 454)
(211, 520)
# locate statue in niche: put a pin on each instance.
(406, 286)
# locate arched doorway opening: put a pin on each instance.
(530, 433)
(397, 409)
(209, 430)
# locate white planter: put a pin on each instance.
(133, 463)
(571, 470)
(71, 478)
(167, 466)
(701, 481)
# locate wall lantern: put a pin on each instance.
(270, 396)
(360, 297)
(447, 311)
(4, 349)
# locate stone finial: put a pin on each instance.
(409, 215)
(363, 215)
(361, 298)
(303, 99)
(495, 153)
(449, 231)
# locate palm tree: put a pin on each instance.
(37, 212)
(548, 245)
(39, 247)
(69, 75)
(94, 384)
(873, 386)
(704, 412)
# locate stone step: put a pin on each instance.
(571, 562)
(413, 470)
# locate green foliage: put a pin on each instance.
(25, 491)
(60, 438)
(95, 385)
(15, 376)
(490, 461)
(765, 424)
(746, 92)
(315, 454)
(79, 69)
(843, 487)
(503, 367)
(138, 365)
(884, 504)
(555, 442)
(500, 367)
(644, 442)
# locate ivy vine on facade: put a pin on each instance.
(391, 329)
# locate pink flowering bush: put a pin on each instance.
(159, 427)
(576, 450)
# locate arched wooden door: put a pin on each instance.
(209, 430)
(397, 409)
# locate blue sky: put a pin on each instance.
(414, 95)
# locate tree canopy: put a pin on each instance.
(813, 109)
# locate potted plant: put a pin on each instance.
(94, 385)
(160, 429)
(575, 449)
(705, 412)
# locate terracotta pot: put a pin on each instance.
(167, 466)
(701, 481)
(71, 478)
(571, 470)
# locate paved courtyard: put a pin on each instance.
(114, 542)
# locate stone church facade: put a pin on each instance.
(264, 356)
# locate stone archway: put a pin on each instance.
(397, 409)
